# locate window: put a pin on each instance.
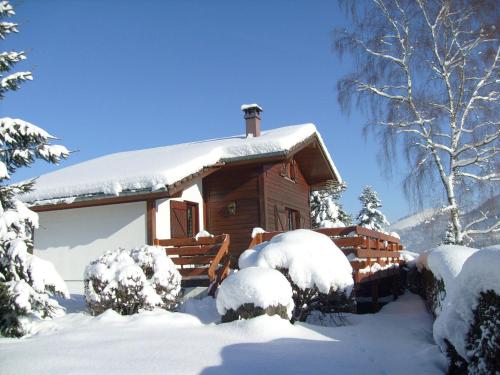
(292, 219)
(288, 170)
(183, 219)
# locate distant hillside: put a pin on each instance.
(425, 229)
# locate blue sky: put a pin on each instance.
(123, 75)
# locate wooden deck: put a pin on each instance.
(201, 262)
(374, 256)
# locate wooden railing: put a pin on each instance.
(202, 260)
(363, 246)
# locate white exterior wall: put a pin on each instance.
(72, 238)
(194, 193)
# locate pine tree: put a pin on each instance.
(449, 237)
(370, 216)
(326, 209)
(26, 281)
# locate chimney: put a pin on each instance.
(252, 119)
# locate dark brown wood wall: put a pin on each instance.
(241, 186)
(260, 194)
(282, 193)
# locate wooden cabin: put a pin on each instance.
(224, 186)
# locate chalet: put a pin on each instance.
(228, 185)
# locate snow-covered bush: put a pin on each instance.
(370, 216)
(131, 280)
(318, 271)
(468, 326)
(439, 267)
(26, 282)
(252, 292)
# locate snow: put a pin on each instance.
(159, 342)
(248, 106)
(331, 224)
(479, 273)
(409, 257)
(7, 81)
(395, 234)
(124, 270)
(256, 231)
(205, 309)
(414, 220)
(326, 209)
(6, 8)
(369, 216)
(44, 276)
(311, 258)
(264, 287)
(376, 267)
(162, 166)
(445, 262)
(202, 234)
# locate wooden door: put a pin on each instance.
(183, 219)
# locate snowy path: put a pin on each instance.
(398, 340)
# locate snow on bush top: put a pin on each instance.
(409, 257)
(146, 269)
(311, 258)
(155, 168)
(479, 274)
(445, 261)
(263, 287)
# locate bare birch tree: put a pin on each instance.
(427, 71)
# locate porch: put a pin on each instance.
(374, 257)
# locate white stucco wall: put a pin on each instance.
(193, 193)
(71, 238)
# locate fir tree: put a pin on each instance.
(326, 209)
(449, 237)
(26, 282)
(370, 216)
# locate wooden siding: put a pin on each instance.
(282, 193)
(260, 194)
(238, 185)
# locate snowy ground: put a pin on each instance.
(396, 340)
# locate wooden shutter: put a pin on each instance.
(280, 219)
(178, 219)
(182, 225)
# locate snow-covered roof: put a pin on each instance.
(156, 168)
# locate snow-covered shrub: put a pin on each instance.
(130, 280)
(252, 292)
(483, 339)
(320, 274)
(439, 267)
(468, 326)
